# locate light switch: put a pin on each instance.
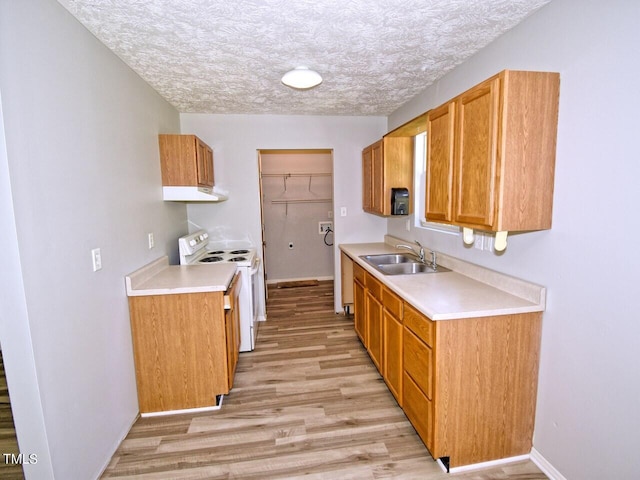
(96, 258)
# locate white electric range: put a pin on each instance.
(194, 250)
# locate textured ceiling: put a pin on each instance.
(228, 56)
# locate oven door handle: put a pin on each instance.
(255, 266)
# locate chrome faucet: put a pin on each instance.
(419, 254)
(434, 265)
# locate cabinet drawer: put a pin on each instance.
(374, 286)
(419, 410)
(358, 273)
(392, 303)
(418, 362)
(419, 324)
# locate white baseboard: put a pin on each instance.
(541, 462)
(548, 469)
(492, 463)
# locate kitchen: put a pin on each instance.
(69, 356)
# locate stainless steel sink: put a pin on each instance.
(389, 258)
(409, 268)
(400, 264)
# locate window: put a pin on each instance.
(420, 187)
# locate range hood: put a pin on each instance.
(193, 194)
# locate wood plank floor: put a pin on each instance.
(307, 403)
(8, 439)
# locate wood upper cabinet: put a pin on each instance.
(439, 181)
(185, 348)
(499, 139)
(386, 164)
(185, 161)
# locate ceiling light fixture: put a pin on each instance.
(301, 78)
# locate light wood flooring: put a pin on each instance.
(8, 440)
(307, 403)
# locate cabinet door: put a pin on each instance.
(392, 343)
(439, 181)
(420, 412)
(359, 312)
(377, 187)
(476, 154)
(374, 320)
(232, 326)
(204, 160)
(367, 179)
(418, 362)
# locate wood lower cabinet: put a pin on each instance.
(185, 348)
(491, 154)
(392, 370)
(373, 310)
(346, 284)
(359, 305)
(386, 164)
(470, 385)
(232, 328)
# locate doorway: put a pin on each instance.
(296, 201)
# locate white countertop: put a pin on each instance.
(160, 278)
(478, 292)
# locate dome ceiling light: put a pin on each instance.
(301, 78)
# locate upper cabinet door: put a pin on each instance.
(439, 180)
(378, 188)
(204, 156)
(367, 178)
(476, 154)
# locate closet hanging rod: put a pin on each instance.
(304, 200)
(313, 174)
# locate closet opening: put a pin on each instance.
(296, 204)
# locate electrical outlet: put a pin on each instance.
(151, 240)
(343, 211)
(330, 214)
(96, 259)
(324, 227)
(478, 242)
(407, 225)
(488, 243)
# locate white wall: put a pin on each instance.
(587, 420)
(80, 171)
(297, 223)
(235, 140)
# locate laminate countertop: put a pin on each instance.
(467, 291)
(160, 278)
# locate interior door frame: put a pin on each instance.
(263, 242)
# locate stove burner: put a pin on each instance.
(217, 252)
(211, 259)
(237, 259)
(239, 252)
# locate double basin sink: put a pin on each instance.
(400, 264)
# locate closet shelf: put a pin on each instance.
(300, 200)
(284, 176)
